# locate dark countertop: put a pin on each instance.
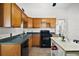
(16, 40)
(33, 32)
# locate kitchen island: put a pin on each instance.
(64, 48)
(15, 45)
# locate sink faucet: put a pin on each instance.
(11, 35)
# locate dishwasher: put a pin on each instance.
(24, 48)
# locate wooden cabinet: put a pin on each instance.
(10, 50)
(1, 15)
(16, 16)
(44, 22)
(30, 24)
(5, 15)
(52, 22)
(10, 15)
(37, 22)
(36, 40)
(30, 44)
(25, 20)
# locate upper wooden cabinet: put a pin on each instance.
(44, 22)
(16, 16)
(10, 15)
(5, 15)
(25, 20)
(30, 23)
(37, 22)
(52, 22)
(1, 15)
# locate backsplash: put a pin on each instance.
(38, 29)
(5, 32)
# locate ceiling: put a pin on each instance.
(44, 5)
(44, 9)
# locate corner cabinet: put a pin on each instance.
(10, 15)
(16, 16)
(30, 22)
(25, 20)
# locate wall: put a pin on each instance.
(5, 32)
(38, 29)
(73, 22)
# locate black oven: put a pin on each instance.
(45, 41)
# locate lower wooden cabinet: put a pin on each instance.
(10, 50)
(15, 49)
(36, 40)
(30, 44)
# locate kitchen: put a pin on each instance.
(34, 29)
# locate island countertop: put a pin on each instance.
(67, 45)
(17, 39)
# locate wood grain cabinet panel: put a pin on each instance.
(52, 22)
(37, 22)
(10, 50)
(1, 15)
(36, 40)
(7, 15)
(16, 16)
(25, 20)
(30, 44)
(10, 15)
(30, 23)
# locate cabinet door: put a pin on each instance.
(30, 44)
(7, 15)
(1, 15)
(10, 50)
(16, 16)
(52, 22)
(45, 23)
(29, 22)
(36, 40)
(37, 22)
(25, 20)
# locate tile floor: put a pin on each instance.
(37, 51)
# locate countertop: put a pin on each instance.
(17, 40)
(67, 45)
